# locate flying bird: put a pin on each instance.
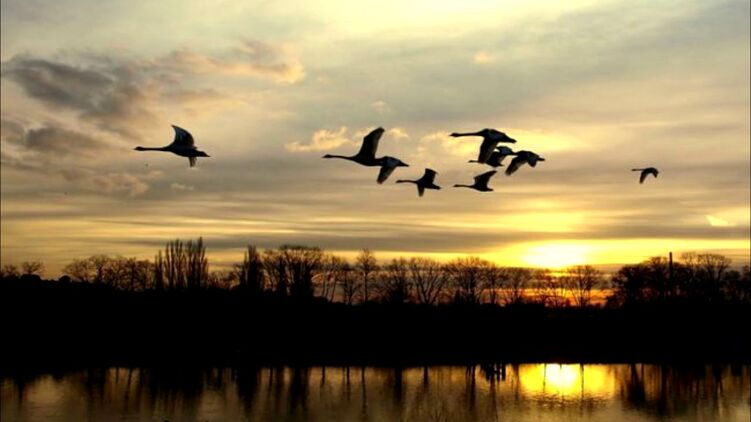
(425, 182)
(183, 145)
(646, 172)
(495, 160)
(367, 154)
(523, 157)
(490, 140)
(388, 165)
(481, 182)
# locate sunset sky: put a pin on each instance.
(268, 87)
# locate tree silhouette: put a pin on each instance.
(429, 279)
(580, 280)
(467, 279)
(366, 264)
(32, 267)
(250, 273)
(394, 285)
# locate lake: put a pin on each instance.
(523, 392)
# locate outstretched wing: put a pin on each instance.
(183, 138)
(192, 161)
(486, 150)
(385, 173)
(370, 143)
(429, 176)
(517, 162)
(484, 178)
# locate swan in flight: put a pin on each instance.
(490, 140)
(425, 182)
(388, 165)
(367, 154)
(481, 182)
(646, 172)
(523, 157)
(183, 145)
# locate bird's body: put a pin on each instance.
(481, 182)
(523, 157)
(388, 165)
(427, 181)
(183, 145)
(646, 172)
(495, 160)
(490, 140)
(367, 156)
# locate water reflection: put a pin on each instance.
(545, 392)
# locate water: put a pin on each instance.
(526, 392)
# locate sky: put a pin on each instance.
(268, 87)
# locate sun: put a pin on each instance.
(556, 255)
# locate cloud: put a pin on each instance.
(179, 187)
(483, 57)
(322, 140)
(718, 222)
(398, 133)
(380, 107)
(119, 182)
(108, 94)
(253, 58)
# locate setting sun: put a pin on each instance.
(556, 255)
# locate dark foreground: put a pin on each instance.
(51, 325)
(523, 392)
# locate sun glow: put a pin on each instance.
(556, 255)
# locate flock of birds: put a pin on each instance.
(491, 153)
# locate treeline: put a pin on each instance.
(302, 273)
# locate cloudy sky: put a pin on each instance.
(268, 87)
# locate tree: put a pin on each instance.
(175, 264)
(550, 290)
(332, 270)
(366, 264)
(276, 271)
(428, 278)
(580, 280)
(394, 283)
(158, 274)
(250, 273)
(197, 266)
(515, 286)
(302, 262)
(32, 267)
(349, 285)
(9, 271)
(99, 265)
(81, 270)
(493, 279)
(467, 279)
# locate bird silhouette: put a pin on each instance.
(495, 160)
(388, 165)
(523, 157)
(646, 172)
(425, 182)
(183, 145)
(490, 140)
(367, 154)
(481, 182)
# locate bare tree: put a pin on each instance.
(517, 281)
(493, 279)
(428, 278)
(549, 289)
(580, 280)
(81, 270)
(197, 270)
(250, 272)
(276, 271)
(467, 279)
(302, 263)
(158, 274)
(366, 265)
(394, 283)
(349, 285)
(332, 270)
(99, 263)
(175, 264)
(32, 267)
(9, 271)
